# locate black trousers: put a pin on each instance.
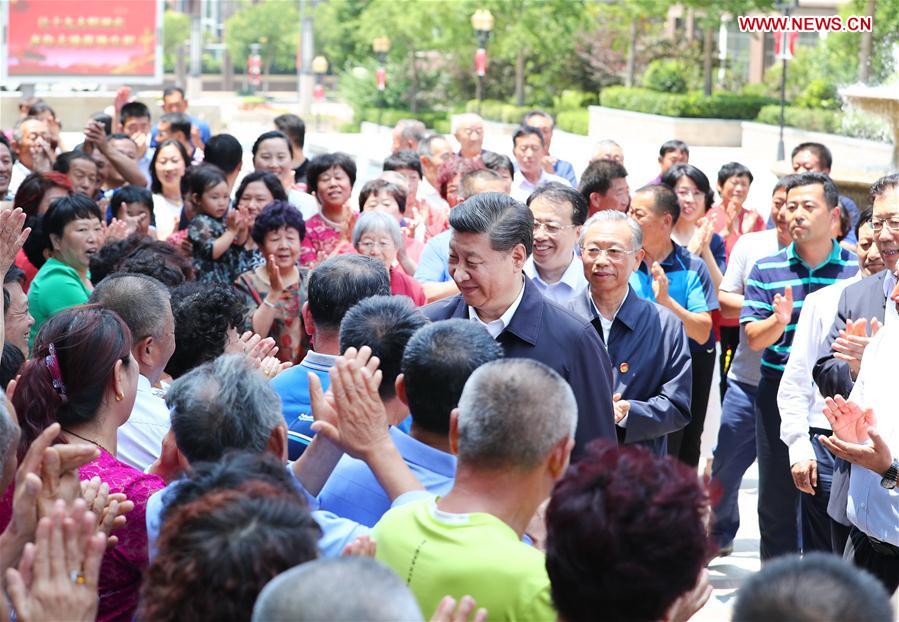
(878, 558)
(730, 339)
(684, 444)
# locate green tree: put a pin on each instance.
(176, 31)
(274, 24)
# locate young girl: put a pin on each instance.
(134, 206)
(217, 235)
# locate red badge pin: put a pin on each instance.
(623, 368)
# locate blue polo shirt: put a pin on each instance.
(771, 275)
(293, 386)
(433, 264)
(689, 284)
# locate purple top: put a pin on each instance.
(123, 566)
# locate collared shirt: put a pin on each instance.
(605, 323)
(140, 438)
(570, 285)
(292, 385)
(565, 169)
(144, 164)
(353, 492)
(433, 264)
(744, 366)
(891, 310)
(771, 275)
(799, 401)
(522, 188)
(498, 325)
(18, 175)
(689, 283)
(871, 507)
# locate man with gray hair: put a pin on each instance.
(607, 149)
(407, 134)
(492, 236)
(368, 591)
(647, 344)
(468, 542)
(433, 150)
(468, 129)
(34, 154)
(144, 304)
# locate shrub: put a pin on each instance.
(389, 117)
(665, 76)
(827, 121)
(574, 100)
(574, 121)
(694, 105)
(819, 93)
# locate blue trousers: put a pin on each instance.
(817, 533)
(734, 454)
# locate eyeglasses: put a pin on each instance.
(612, 254)
(551, 228)
(891, 223)
(686, 192)
(380, 245)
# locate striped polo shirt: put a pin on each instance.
(771, 275)
(689, 284)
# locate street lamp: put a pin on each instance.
(381, 45)
(254, 67)
(482, 22)
(785, 54)
(319, 68)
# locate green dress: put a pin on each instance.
(55, 287)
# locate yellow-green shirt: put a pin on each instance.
(55, 287)
(437, 554)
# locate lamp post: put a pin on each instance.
(381, 45)
(254, 67)
(482, 22)
(319, 68)
(784, 42)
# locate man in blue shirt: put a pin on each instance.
(680, 282)
(775, 291)
(173, 100)
(544, 122)
(647, 343)
(335, 285)
(436, 363)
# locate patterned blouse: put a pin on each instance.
(204, 230)
(287, 327)
(323, 239)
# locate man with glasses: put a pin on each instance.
(559, 212)
(651, 367)
(529, 148)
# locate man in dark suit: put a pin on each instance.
(492, 236)
(835, 372)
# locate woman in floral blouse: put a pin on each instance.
(330, 177)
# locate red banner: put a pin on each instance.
(381, 78)
(87, 40)
(480, 62)
(790, 38)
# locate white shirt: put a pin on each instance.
(572, 283)
(140, 438)
(167, 214)
(498, 325)
(800, 402)
(18, 175)
(522, 188)
(891, 314)
(305, 202)
(872, 508)
(607, 331)
(428, 194)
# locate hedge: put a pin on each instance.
(691, 105)
(828, 121)
(438, 121)
(574, 121)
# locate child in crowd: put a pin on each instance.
(134, 206)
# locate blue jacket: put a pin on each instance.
(651, 367)
(545, 332)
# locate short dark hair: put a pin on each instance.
(141, 301)
(821, 152)
(560, 194)
(816, 586)
(293, 126)
(134, 110)
(274, 216)
(64, 210)
(674, 174)
(598, 176)
(41, 106)
(405, 158)
(120, 136)
(159, 260)
(385, 324)
(882, 185)
(733, 169)
(10, 364)
(625, 534)
(130, 193)
(270, 180)
(863, 219)
(664, 201)
(224, 151)
(782, 183)
(155, 184)
(171, 90)
(498, 162)
(438, 360)
(338, 283)
(202, 178)
(673, 145)
(204, 312)
(319, 164)
(831, 194)
(5, 141)
(377, 186)
(270, 135)
(506, 222)
(64, 160)
(178, 122)
(527, 130)
(468, 184)
(100, 117)
(13, 275)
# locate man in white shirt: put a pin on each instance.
(31, 144)
(559, 213)
(801, 404)
(529, 149)
(144, 305)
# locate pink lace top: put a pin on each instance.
(322, 240)
(123, 566)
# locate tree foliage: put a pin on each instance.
(272, 23)
(176, 30)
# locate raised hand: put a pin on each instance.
(659, 283)
(876, 457)
(233, 221)
(448, 611)
(847, 420)
(274, 276)
(12, 236)
(852, 341)
(363, 546)
(115, 230)
(783, 306)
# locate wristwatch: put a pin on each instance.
(890, 477)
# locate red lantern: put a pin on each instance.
(318, 93)
(254, 69)
(480, 62)
(787, 51)
(381, 78)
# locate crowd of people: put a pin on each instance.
(228, 391)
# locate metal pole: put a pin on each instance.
(306, 79)
(781, 152)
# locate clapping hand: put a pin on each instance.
(852, 341)
(852, 428)
(659, 283)
(12, 236)
(448, 611)
(622, 407)
(847, 420)
(783, 306)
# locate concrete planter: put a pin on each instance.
(656, 129)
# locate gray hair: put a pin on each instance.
(611, 215)
(518, 399)
(506, 222)
(538, 113)
(411, 129)
(17, 128)
(607, 142)
(141, 301)
(369, 590)
(222, 405)
(466, 117)
(424, 145)
(371, 221)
